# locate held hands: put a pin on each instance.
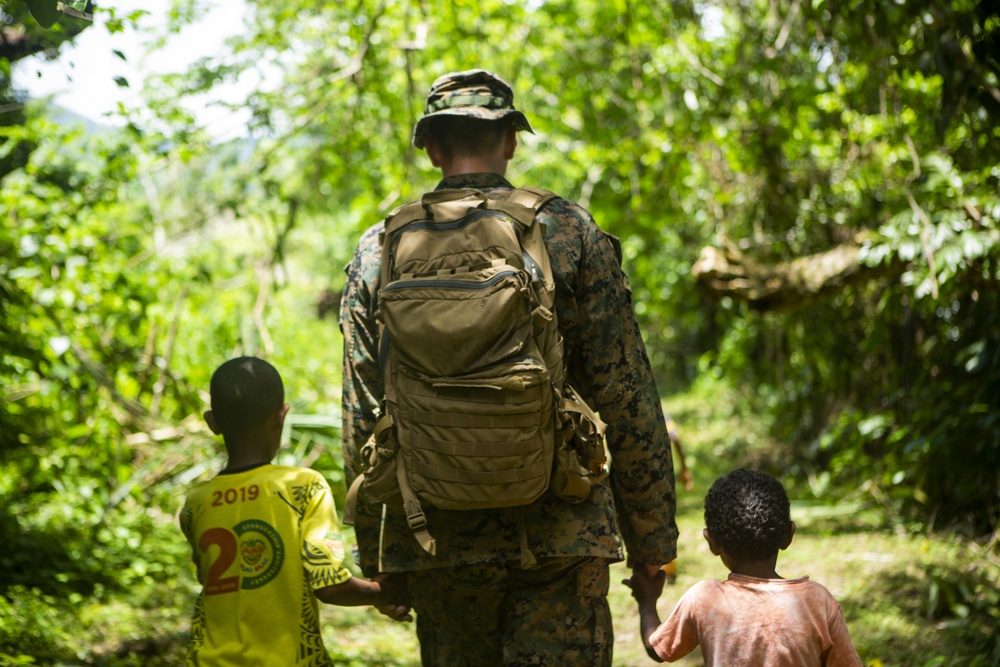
(395, 591)
(646, 584)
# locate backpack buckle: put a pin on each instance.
(414, 514)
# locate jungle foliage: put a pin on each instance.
(133, 261)
(784, 129)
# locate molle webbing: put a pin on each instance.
(444, 474)
(476, 449)
(434, 418)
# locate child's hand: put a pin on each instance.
(646, 583)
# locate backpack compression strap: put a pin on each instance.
(415, 517)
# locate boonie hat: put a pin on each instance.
(475, 93)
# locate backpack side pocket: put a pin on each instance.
(379, 454)
(581, 459)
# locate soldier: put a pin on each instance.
(477, 600)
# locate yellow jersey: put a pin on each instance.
(262, 540)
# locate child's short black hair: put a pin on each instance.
(748, 515)
(245, 392)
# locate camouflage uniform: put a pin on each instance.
(573, 543)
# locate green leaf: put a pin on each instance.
(46, 12)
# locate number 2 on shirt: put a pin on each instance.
(254, 543)
(226, 541)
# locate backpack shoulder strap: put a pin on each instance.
(523, 204)
(402, 216)
(533, 198)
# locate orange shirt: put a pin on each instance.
(262, 541)
(750, 621)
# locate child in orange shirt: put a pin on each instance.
(755, 617)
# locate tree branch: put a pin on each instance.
(16, 43)
(784, 286)
(786, 27)
(258, 310)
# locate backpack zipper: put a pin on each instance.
(450, 284)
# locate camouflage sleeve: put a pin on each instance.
(607, 362)
(362, 382)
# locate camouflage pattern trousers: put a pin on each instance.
(500, 614)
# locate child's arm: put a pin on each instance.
(646, 589)
(388, 595)
(649, 621)
(354, 592)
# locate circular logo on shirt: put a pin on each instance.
(261, 552)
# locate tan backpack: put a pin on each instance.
(475, 413)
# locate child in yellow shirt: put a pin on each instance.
(265, 538)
